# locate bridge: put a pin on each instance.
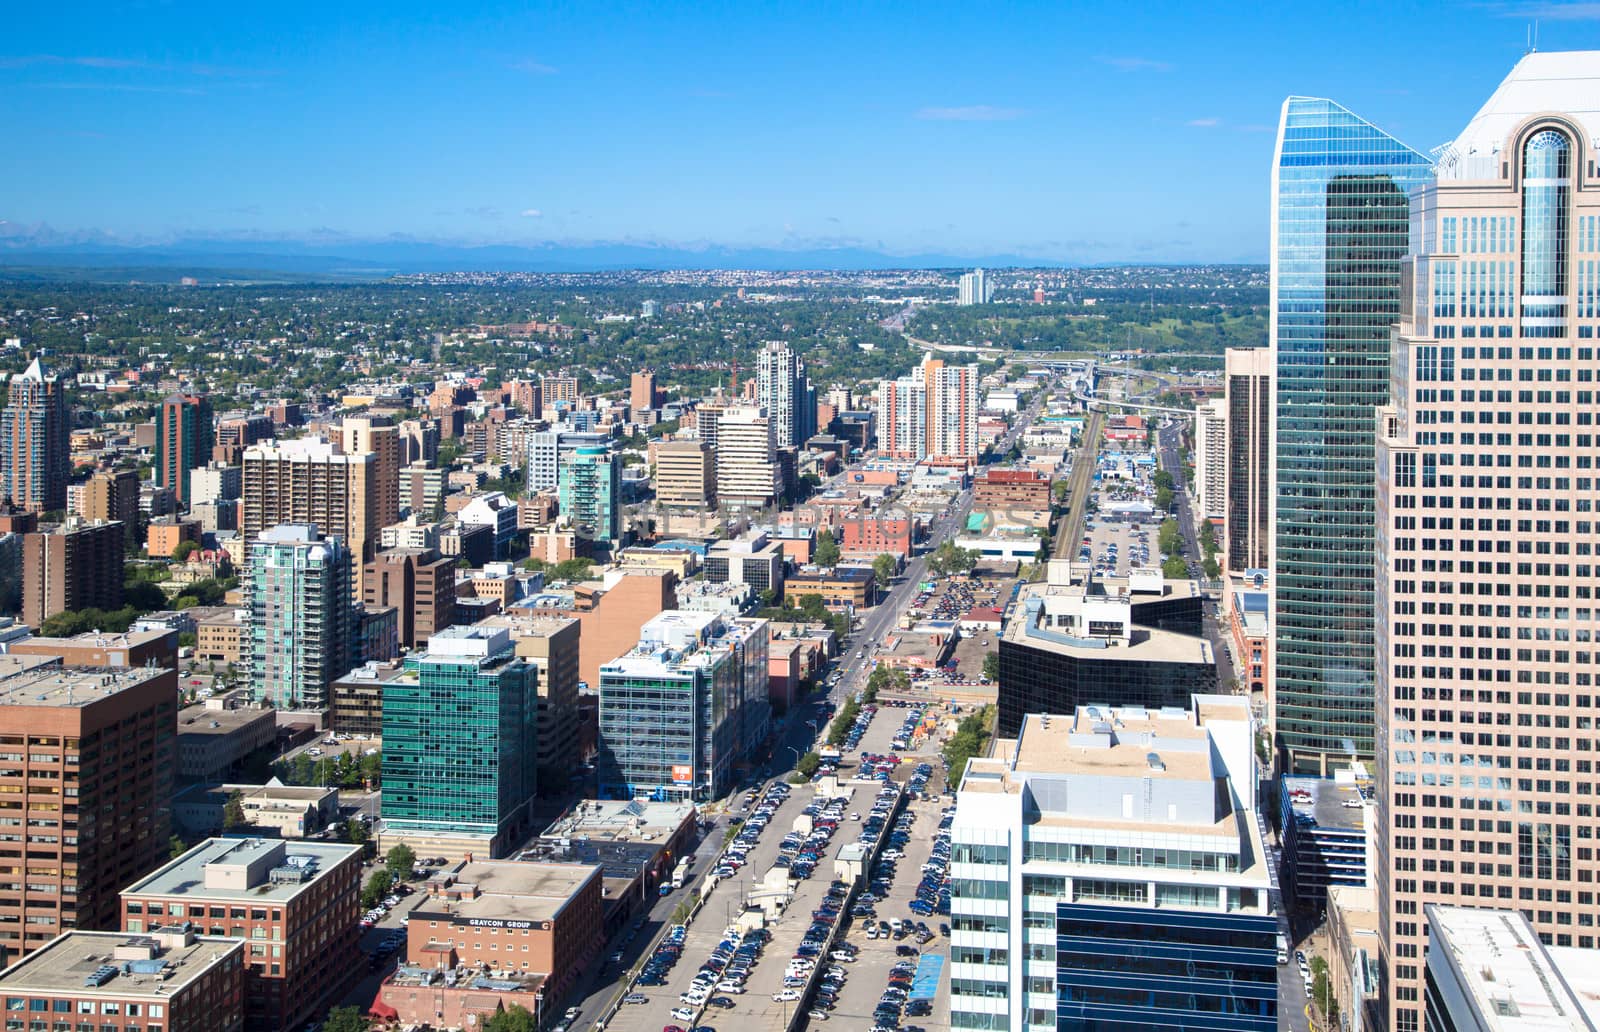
(1091, 401)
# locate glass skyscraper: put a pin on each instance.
(1340, 227)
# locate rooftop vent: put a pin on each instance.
(99, 976)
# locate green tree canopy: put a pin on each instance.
(515, 1018)
(827, 553)
(233, 810)
(1174, 568)
(346, 1019)
(991, 666)
(400, 860)
(883, 568)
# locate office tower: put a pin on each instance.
(551, 645)
(747, 458)
(952, 419)
(92, 754)
(1109, 873)
(307, 481)
(705, 417)
(559, 391)
(35, 440)
(589, 484)
(1248, 373)
(902, 417)
(237, 431)
(379, 436)
(1485, 457)
(76, 565)
(419, 584)
(459, 779)
(295, 904)
(784, 391)
(184, 438)
(686, 475)
(674, 711)
(182, 982)
(642, 391)
(303, 626)
(975, 289)
(1211, 459)
(1340, 219)
(1489, 970)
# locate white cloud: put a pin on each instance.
(531, 213)
(1136, 64)
(533, 67)
(1203, 123)
(970, 113)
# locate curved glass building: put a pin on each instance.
(1341, 193)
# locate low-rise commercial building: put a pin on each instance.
(217, 736)
(846, 588)
(276, 810)
(532, 926)
(223, 637)
(358, 699)
(296, 903)
(1488, 971)
(132, 648)
(175, 982)
(1322, 823)
(752, 560)
(636, 844)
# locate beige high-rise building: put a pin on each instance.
(1486, 456)
(747, 458)
(378, 435)
(686, 475)
(1248, 491)
(1211, 459)
(550, 643)
(307, 481)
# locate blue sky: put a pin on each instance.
(1069, 130)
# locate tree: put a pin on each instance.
(1212, 567)
(1062, 490)
(176, 847)
(971, 739)
(400, 860)
(814, 608)
(377, 887)
(991, 666)
(355, 829)
(184, 550)
(233, 810)
(346, 1019)
(515, 1018)
(884, 568)
(950, 558)
(143, 596)
(827, 553)
(808, 764)
(1174, 568)
(1169, 538)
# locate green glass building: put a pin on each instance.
(587, 492)
(1341, 214)
(460, 745)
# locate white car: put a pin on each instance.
(785, 996)
(683, 1014)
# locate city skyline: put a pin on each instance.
(334, 130)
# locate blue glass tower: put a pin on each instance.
(1340, 229)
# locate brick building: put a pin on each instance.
(77, 565)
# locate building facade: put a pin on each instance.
(303, 626)
(35, 440)
(1108, 872)
(419, 584)
(1211, 459)
(307, 481)
(90, 825)
(1340, 220)
(295, 905)
(379, 437)
(1485, 493)
(1247, 514)
(460, 778)
(686, 475)
(747, 458)
(184, 439)
(76, 565)
(680, 710)
(589, 484)
(784, 391)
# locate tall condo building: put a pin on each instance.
(588, 494)
(307, 481)
(35, 440)
(377, 435)
(303, 625)
(784, 391)
(1486, 484)
(184, 436)
(76, 565)
(90, 755)
(933, 413)
(1248, 519)
(1211, 459)
(685, 705)
(1108, 872)
(459, 777)
(558, 391)
(747, 458)
(975, 288)
(642, 391)
(1340, 220)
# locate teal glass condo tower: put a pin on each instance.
(460, 745)
(1341, 203)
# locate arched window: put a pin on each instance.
(1546, 175)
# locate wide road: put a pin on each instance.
(1167, 439)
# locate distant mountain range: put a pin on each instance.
(363, 259)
